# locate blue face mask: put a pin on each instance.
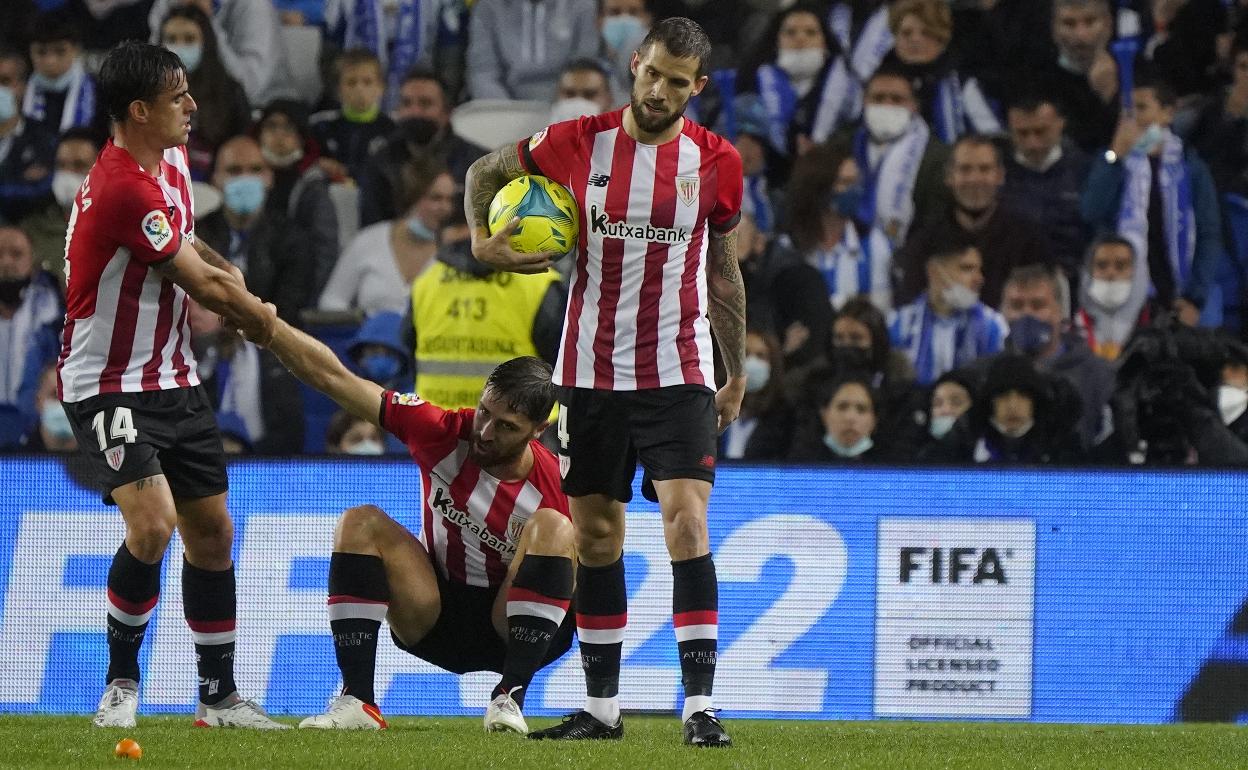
(243, 194)
(941, 425)
(56, 84)
(419, 230)
(619, 31)
(54, 420)
(857, 448)
(847, 202)
(1030, 335)
(191, 55)
(380, 367)
(8, 104)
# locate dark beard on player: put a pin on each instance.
(654, 125)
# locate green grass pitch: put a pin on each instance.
(649, 742)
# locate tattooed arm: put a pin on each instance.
(726, 292)
(485, 178)
(212, 257)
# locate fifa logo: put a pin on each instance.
(954, 566)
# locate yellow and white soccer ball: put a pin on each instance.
(548, 215)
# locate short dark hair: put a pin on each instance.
(55, 26)
(682, 38)
(585, 64)
(354, 57)
(135, 70)
(424, 73)
(947, 249)
(1160, 85)
(977, 140)
(525, 384)
(81, 134)
(1030, 102)
(12, 54)
(824, 391)
(892, 69)
(1109, 239)
(1028, 275)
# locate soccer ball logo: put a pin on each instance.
(548, 215)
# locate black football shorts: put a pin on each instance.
(130, 436)
(604, 433)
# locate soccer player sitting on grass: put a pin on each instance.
(487, 585)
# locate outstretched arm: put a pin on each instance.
(726, 292)
(315, 364)
(219, 289)
(486, 176)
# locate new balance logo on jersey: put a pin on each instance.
(599, 180)
(601, 224)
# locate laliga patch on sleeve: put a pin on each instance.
(406, 399)
(157, 230)
(537, 139)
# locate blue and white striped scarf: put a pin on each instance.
(1179, 215)
(363, 25)
(79, 101)
(888, 199)
(839, 101)
(961, 108)
(936, 345)
(856, 266)
(874, 41)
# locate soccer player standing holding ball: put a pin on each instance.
(128, 380)
(659, 198)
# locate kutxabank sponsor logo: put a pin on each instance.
(602, 224)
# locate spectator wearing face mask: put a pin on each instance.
(253, 395)
(948, 326)
(584, 88)
(860, 343)
(46, 225)
(27, 148)
(377, 351)
(825, 196)
(423, 131)
(1220, 132)
(248, 40)
(949, 399)
(300, 187)
(223, 110)
(31, 314)
(402, 34)
(764, 428)
(1004, 237)
(1034, 304)
(849, 412)
(1113, 296)
(467, 318)
(1044, 177)
(1020, 417)
(55, 433)
(376, 270)
(951, 104)
(349, 134)
(263, 243)
(802, 80)
(1233, 392)
(1158, 194)
(900, 162)
(762, 168)
(623, 25)
(61, 94)
(351, 435)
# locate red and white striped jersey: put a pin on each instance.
(471, 522)
(126, 327)
(636, 315)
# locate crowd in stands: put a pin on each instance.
(973, 231)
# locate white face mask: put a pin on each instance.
(65, 186)
(857, 448)
(801, 63)
(959, 297)
(941, 425)
(1152, 137)
(1110, 295)
(366, 447)
(1055, 154)
(1019, 432)
(757, 373)
(886, 122)
(573, 108)
(1232, 403)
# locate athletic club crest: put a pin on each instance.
(115, 456)
(687, 188)
(515, 527)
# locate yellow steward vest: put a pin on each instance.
(466, 325)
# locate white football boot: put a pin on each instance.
(118, 704)
(236, 712)
(503, 715)
(347, 712)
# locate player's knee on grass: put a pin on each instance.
(357, 529)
